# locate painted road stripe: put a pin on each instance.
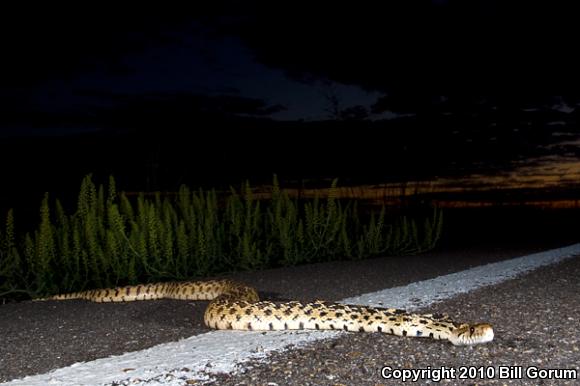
(197, 357)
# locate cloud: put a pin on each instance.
(178, 109)
(409, 46)
(385, 46)
(53, 41)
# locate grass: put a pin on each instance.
(112, 240)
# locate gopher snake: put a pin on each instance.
(235, 306)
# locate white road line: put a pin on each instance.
(200, 356)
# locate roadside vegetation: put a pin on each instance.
(112, 239)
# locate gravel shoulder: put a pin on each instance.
(40, 336)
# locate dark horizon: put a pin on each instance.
(243, 90)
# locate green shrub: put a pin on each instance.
(112, 240)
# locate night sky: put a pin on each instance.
(162, 95)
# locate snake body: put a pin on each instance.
(235, 306)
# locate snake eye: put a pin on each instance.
(471, 330)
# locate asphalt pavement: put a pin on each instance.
(536, 317)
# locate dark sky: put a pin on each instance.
(68, 69)
(71, 66)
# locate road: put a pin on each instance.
(536, 317)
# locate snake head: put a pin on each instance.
(468, 334)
